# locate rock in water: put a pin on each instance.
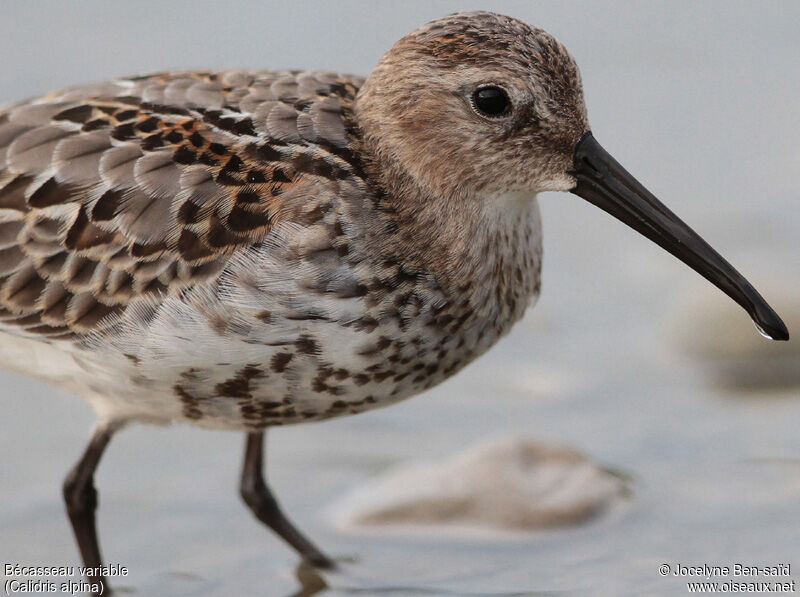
(507, 484)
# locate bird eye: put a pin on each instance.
(491, 101)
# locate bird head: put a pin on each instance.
(476, 106)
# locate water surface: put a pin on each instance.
(699, 101)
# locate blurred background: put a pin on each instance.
(629, 356)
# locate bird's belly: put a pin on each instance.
(321, 374)
(311, 370)
(255, 356)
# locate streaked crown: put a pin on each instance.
(475, 104)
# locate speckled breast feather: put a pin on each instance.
(199, 244)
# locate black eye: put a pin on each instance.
(491, 101)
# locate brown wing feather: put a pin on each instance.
(146, 186)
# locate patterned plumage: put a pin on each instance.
(235, 205)
(116, 192)
(247, 249)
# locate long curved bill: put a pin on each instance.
(605, 183)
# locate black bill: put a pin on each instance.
(604, 182)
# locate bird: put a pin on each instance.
(245, 249)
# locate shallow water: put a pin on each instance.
(700, 102)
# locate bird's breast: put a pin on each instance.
(286, 340)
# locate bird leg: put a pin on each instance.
(260, 500)
(81, 501)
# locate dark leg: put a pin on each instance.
(81, 499)
(259, 498)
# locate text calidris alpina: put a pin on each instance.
(245, 249)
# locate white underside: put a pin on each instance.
(57, 366)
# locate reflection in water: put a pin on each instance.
(312, 583)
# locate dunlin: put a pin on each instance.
(245, 249)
